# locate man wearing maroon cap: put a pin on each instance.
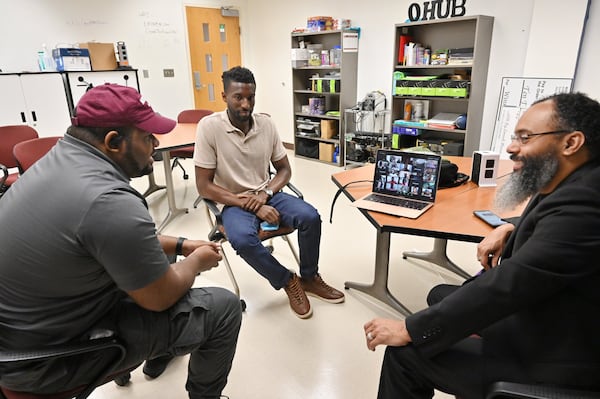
(80, 254)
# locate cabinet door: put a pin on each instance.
(47, 106)
(13, 110)
(78, 81)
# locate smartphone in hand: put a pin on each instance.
(266, 226)
(490, 218)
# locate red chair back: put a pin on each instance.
(9, 137)
(192, 115)
(28, 152)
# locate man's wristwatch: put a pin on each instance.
(269, 192)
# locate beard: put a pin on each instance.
(536, 173)
(237, 116)
(133, 167)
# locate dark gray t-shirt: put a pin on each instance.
(74, 235)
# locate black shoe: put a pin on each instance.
(155, 367)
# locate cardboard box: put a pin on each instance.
(326, 152)
(102, 55)
(71, 59)
(329, 128)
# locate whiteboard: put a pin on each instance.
(516, 95)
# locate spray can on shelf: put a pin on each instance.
(407, 111)
(418, 111)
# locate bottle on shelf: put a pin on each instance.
(407, 111)
(41, 59)
(45, 60)
(324, 57)
(335, 56)
(418, 111)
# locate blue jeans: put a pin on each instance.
(242, 233)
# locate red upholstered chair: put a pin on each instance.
(9, 137)
(102, 340)
(28, 152)
(187, 116)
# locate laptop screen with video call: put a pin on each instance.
(404, 183)
(407, 174)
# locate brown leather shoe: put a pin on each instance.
(320, 289)
(298, 300)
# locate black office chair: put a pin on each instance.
(512, 390)
(101, 340)
(218, 234)
(3, 188)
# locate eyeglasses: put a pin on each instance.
(524, 138)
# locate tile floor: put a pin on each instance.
(279, 355)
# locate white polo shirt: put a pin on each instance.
(241, 162)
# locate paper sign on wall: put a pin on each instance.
(516, 95)
(350, 42)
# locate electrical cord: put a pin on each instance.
(339, 191)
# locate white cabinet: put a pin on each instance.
(36, 99)
(77, 82)
(46, 101)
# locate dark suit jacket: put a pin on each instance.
(541, 306)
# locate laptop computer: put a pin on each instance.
(404, 183)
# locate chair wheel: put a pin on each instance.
(123, 379)
(270, 248)
(186, 176)
(243, 304)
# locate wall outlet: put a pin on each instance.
(169, 73)
(145, 73)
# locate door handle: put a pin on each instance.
(197, 83)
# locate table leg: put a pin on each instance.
(438, 257)
(152, 186)
(379, 288)
(173, 210)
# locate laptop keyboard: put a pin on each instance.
(403, 202)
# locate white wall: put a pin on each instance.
(154, 32)
(586, 77)
(266, 27)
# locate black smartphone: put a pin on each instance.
(490, 218)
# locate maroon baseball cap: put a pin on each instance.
(112, 105)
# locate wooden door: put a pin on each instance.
(214, 42)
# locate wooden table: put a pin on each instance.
(451, 218)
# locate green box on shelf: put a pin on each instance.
(401, 88)
(452, 88)
(428, 88)
(326, 85)
(414, 88)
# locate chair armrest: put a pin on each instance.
(104, 341)
(216, 233)
(5, 175)
(534, 391)
(289, 185)
(99, 340)
(295, 190)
